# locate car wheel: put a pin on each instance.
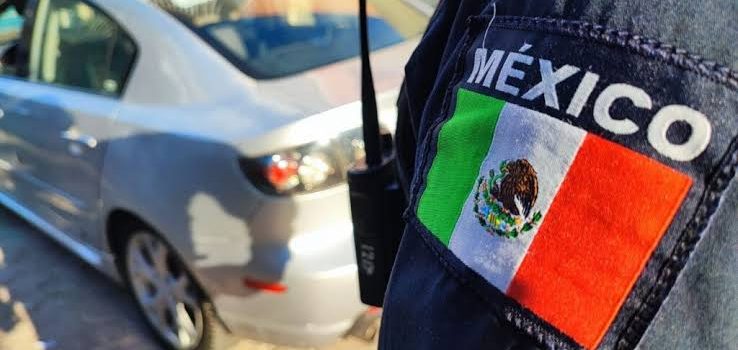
(167, 295)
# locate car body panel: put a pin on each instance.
(194, 193)
(168, 153)
(54, 154)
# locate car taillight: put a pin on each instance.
(281, 172)
(307, 168)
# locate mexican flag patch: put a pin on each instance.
(559, 219)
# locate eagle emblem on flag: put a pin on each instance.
(503, 202)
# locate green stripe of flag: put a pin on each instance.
(463, 143)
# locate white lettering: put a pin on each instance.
(614, 92)
(508, 71)
(584, 90)
(485, 68)
(549, 79)
(698, 139)
(367, 258)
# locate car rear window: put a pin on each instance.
(276, 38)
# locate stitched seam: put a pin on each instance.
(647, 47)
(432, 138)
(682, 251)
(524, 323)
(669, 271)
(645, 312)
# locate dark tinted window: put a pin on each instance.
(11, 25)
(77, 45)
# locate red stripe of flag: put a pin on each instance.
(608, 216)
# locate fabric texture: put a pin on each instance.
(435, 301)
(700, 312)
(704, 27)
(603, 209)
(607, 218)
(436, 310)
(520, 134)
(465, 141)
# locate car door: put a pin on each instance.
(11, 26)
(60, 116)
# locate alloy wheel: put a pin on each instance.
(164, 290)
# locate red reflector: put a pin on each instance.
(265, 286)
(282, 173)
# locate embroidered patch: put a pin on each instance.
(503, 203)
(589, 195)
(568, 167)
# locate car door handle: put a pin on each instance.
(76, 137)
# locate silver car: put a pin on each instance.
(196, 149)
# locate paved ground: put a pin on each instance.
(51, 300)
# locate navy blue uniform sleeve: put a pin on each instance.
(430, 65)
(434, 301)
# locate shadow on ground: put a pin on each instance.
(51, 300)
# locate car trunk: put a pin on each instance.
(334, 85)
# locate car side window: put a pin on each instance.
(77, 45)
(11, 25)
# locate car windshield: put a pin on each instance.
(275, 38)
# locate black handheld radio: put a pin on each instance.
(377, 200)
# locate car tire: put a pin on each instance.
(168, 296)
